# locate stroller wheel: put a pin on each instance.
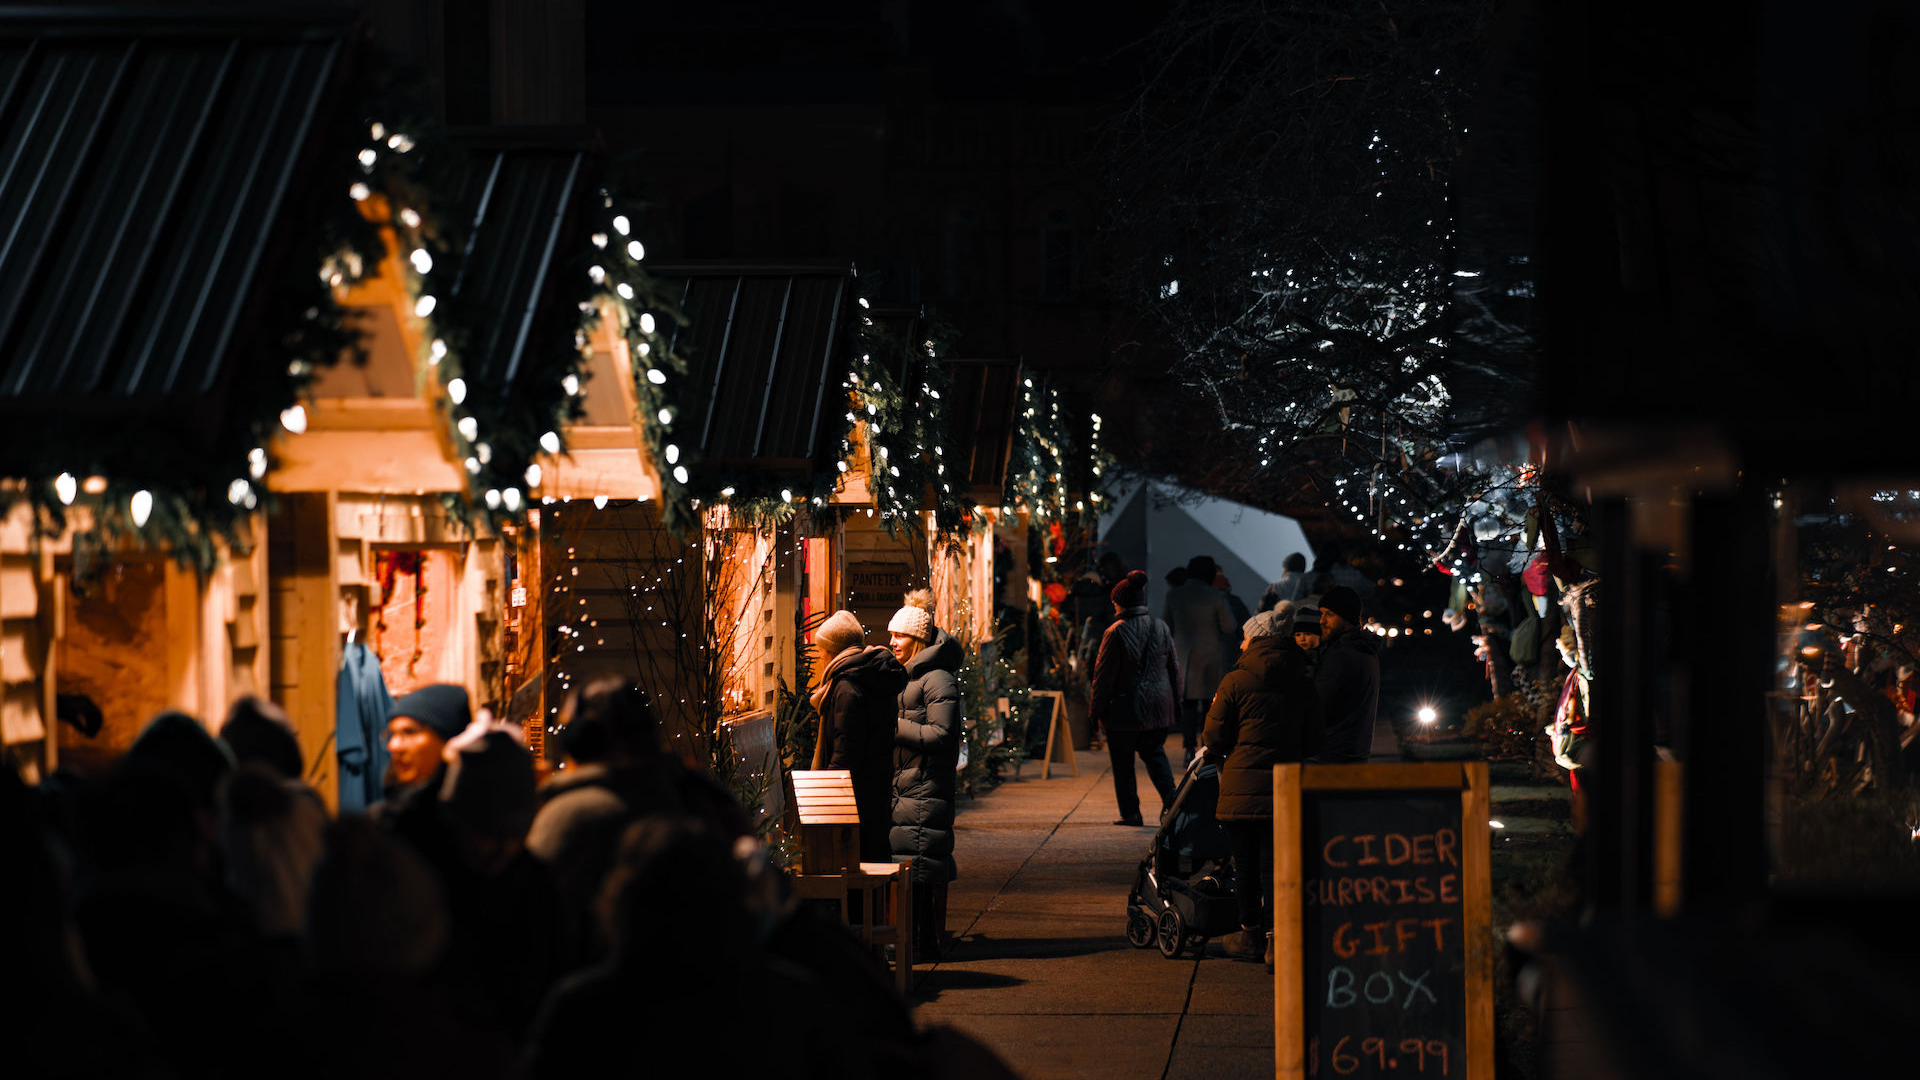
(1140, 928)
(1173, 933)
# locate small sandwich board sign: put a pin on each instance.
(1383, 940)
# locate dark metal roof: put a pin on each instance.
(763, 346)
(981, 397)
(145, 157)
(516, 201)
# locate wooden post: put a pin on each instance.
(1289, 991)
(1669, 796)
(1476, 909)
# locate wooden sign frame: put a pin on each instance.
(1057, 727)
(1290, 783)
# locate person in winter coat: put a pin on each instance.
(1136, 681)
(926, 759)
(1265, 714)
(1198, 615)
(1348, 678)
(614, 773)
(858, 701)
(1293, 583)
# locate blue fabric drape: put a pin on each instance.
(360, 729)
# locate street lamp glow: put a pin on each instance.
(1427, 715)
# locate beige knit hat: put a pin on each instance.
(841, 631)
(915, 618)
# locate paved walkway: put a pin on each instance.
(1041, 970)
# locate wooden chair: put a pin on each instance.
(830, 868)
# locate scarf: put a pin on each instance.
(819, 699)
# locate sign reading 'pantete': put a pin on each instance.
(877, 585)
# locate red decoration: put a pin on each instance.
(1537, 573)
(1056, 593)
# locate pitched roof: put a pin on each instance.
(516, 196)
(763, 346)
(146, 157)
(981, 396)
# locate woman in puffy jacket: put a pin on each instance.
(857, 699)
(1265, 713)
(926, 760)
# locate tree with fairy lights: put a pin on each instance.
(1284, 215)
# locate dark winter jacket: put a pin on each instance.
(1266, 713)
(1349, 685)
(1202, 625)
(586, 809)
(857, 719)
(926, 759)
(1136, 676)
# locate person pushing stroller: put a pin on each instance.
(1265, 713)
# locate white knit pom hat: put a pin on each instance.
(913, 622)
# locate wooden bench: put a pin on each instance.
(830, 868)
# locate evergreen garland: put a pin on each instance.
(1038, 467)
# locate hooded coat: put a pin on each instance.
(1136, 680)
(926, 760)
(1265, 714)
(1200, 619)
(1349, 683)
(857, 713)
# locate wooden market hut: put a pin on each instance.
(760, 405)
(164, 167)
(371, 538)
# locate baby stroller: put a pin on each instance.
(1183, 894)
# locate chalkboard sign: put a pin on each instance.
(1381, 914)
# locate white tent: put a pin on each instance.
(1157, 526)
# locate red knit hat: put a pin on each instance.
(1132, 590)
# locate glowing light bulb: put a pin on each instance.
(410, 217)
(621, 225)
(294, 418)
(646, 322)
(141, 506)
(571, 384)
(786, 494)
(636, 250)
(238, 491)
(597, 274)
(469, 428)
(673, 454)
(666, 416)
(424, 306)
(550, 442)
(65, 486)
(457, 390)
(656, 376)
(680, 473)
(359, 192)
(493, 498)
(511, 497)
(599, 502)
(436, 352)
(368, 157)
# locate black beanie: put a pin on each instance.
(441, 707)
(175, 743)
(257, 731)
(1343, 602)
(1132, 590)
(489, 787)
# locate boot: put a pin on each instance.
(1243, 944)
(1269, 952)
